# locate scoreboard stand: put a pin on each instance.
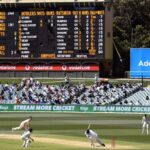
(45, 39)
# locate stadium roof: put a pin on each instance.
(47, 1)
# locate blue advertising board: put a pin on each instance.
(140, 62)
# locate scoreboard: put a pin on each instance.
(64, 31)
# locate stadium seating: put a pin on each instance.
(30, 91)
(141, 97)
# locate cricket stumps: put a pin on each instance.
(113, 142)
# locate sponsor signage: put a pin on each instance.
(49, 68)
(74, 108)
(140, 62)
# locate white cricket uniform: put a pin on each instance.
(93, 137)
(26, 138)
(96, 79)
(23, 125)
(66, 79)
(25, 135)
(145, 124)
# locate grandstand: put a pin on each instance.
(62, 63)
(51, 50)
(31, 91)
(42, 58)
(140, 98)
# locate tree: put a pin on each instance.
(131, 26)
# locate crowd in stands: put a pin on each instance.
(30, 91)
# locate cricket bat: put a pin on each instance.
(89, 125)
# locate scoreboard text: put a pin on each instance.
(52, 33)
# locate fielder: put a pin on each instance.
(26, 137)
(145, 124)
(93, 137)
(24, 124)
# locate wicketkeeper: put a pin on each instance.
(26, 137)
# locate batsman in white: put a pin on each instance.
(26, 137)
(93, 137)
(24, 124)
(145, 124)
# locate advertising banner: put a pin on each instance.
(49, 68)
(140, 62)
(74, 108)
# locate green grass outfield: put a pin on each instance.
(125, 128)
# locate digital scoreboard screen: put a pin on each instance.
(61, 31)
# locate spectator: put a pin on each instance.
(96, 79)
(66, 79)
(29, 91)
(147, 97)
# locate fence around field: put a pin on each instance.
(137, 74)
(73, 108)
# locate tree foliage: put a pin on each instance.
(131, 28)
(131, 24)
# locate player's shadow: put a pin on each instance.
(98, 146)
